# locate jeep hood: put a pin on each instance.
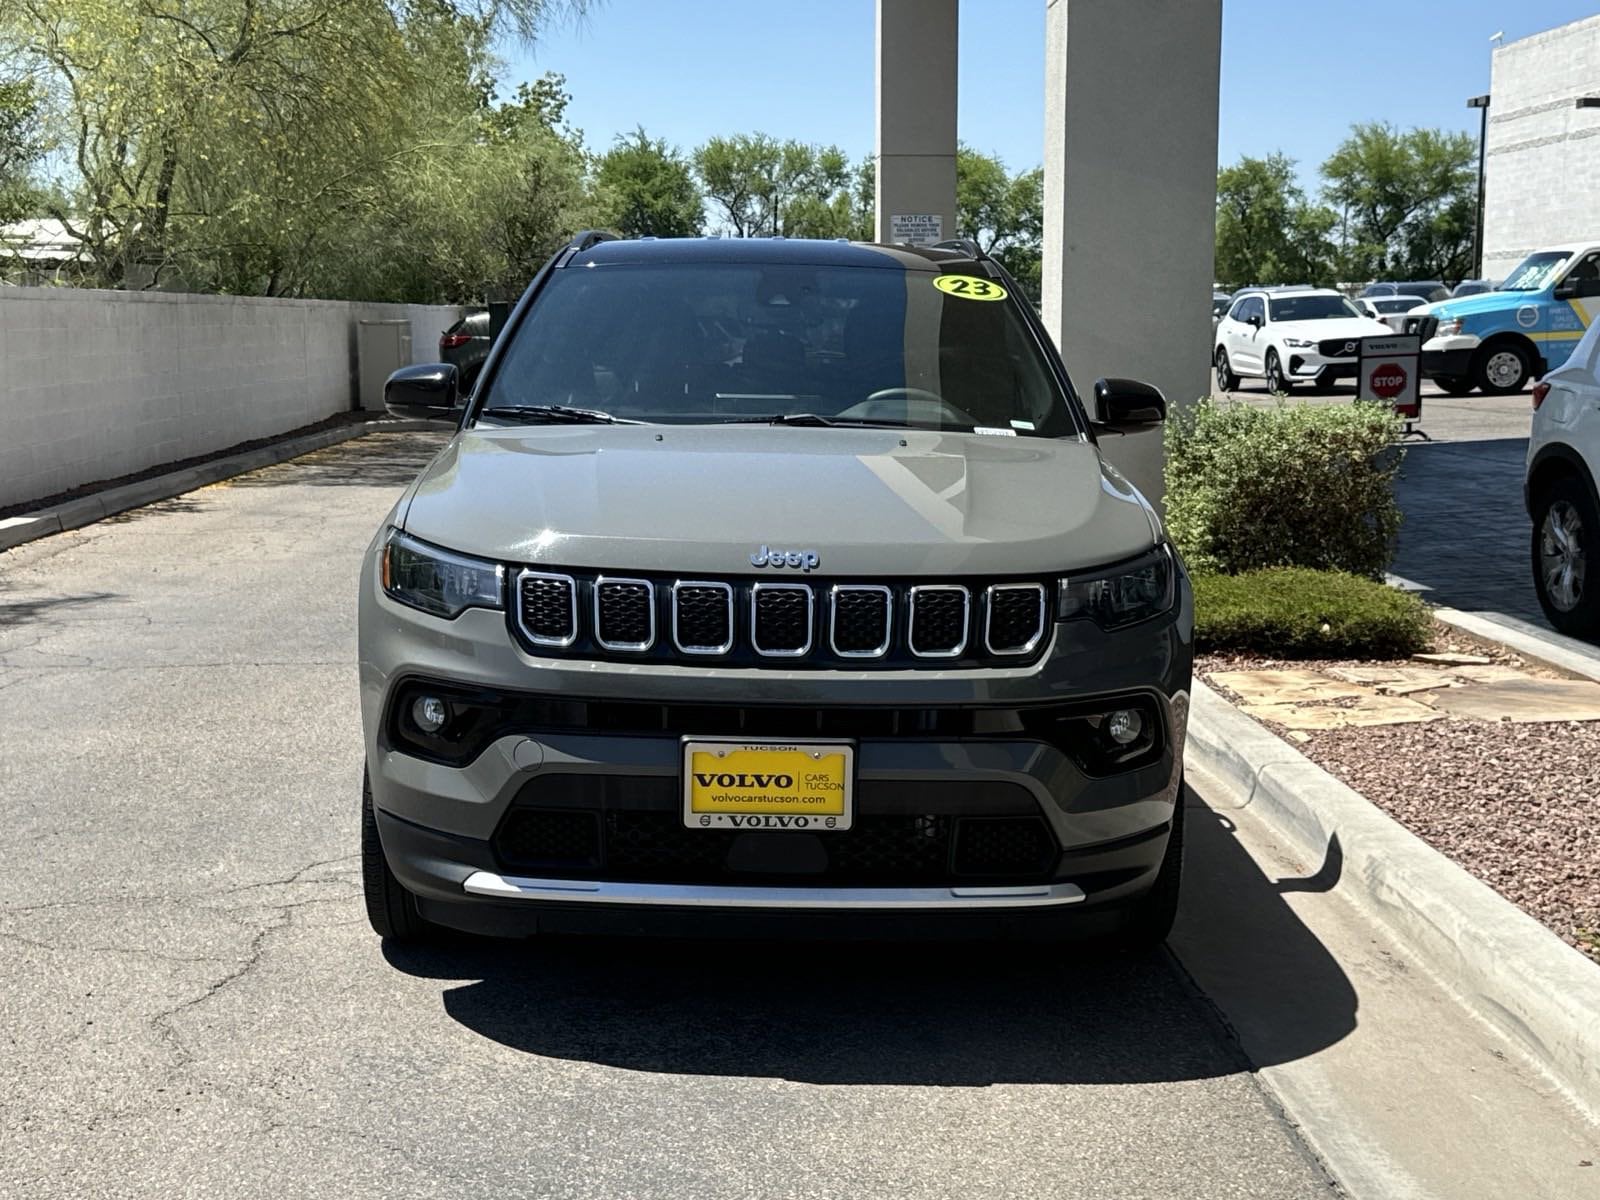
(700, 500)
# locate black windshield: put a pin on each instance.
(691, 343)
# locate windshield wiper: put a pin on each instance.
(555, 414)
(813, 419)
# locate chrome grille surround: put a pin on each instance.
(848, 589)
(571, 585)
(772, 589)
(708, 585)
(929, 590)
(603, 582)
(998, 589)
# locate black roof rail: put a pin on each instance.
(592, 237)
(965, 245)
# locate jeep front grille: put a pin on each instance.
(771, 623)
(548, 608)
(624, 614)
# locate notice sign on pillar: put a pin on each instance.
(1388, 374)
(916, 229)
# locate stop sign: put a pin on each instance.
(1388, 380)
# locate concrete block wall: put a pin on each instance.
(97, 384)
(1542, 153)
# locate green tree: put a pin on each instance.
(235, 140)
(1267, 232)
(1003, 213)
(1404, 197)
(21, 145)
(646, 187)
(766, 187)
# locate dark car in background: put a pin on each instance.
(1428, 290)
(465, 345)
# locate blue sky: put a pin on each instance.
(1295, 73)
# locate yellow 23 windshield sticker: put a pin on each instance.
(969, 287)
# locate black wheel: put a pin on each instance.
(1226, 379)
(1277, 381)
(1150, 919)
(1501, 368)
(1566, 539)
(391, 909)
(1454, 385)
(1326, 379)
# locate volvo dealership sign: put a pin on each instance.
(1388, 373)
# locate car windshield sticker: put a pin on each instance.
(993, 432)
(969, 287)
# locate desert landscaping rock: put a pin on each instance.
(1513, 800)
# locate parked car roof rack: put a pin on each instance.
(965, 245)
(591, 237)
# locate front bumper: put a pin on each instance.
(1308, 364)
(1449, 356)
(446, 828)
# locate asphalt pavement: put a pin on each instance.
(195, 1006)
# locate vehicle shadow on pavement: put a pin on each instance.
(1465, 538)
(959, 1015)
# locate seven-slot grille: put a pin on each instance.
(770, 622)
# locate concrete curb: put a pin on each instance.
(1511, 971)
(85, 510)
(1545, 645)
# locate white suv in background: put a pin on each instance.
(1285, 337)
(1562, 499)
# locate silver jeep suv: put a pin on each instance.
(772, 585)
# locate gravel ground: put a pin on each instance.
(1516, 805)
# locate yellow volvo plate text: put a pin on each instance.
(768, 785)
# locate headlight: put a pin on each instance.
(1449, 327)
(437, 581)
(1299, 343)
(1123, 594)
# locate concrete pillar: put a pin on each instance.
(917, 55)
(1130, 183)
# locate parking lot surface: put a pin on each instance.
(196, 1007)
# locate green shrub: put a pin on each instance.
(1296, 485)
(1291, 612)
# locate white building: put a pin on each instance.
(1542, 162)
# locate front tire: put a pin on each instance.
(1501, 368)
(1150, 919)
(1277, 382)
(1226, 379)
(391, 910)
(1566, 544)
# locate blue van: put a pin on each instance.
(1499, 341)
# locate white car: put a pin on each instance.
(1391, 310)
(1311, 334)
(1561, 494)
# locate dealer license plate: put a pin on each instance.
(768, 785)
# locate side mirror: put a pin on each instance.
(1255, 319)
(427, 390)
(1128, 404)
(1567, 289)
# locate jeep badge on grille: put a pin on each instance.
(806, 560)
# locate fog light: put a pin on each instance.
(430, 714)
(1124, 726)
